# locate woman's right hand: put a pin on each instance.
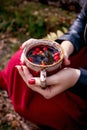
(58, 83)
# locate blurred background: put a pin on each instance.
(24, 19)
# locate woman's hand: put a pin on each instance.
(68, 50)
(56, 83)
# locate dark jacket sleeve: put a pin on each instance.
(83, 77)
(76, 30)
(80, 87)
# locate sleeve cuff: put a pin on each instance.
(80, 88)
(83, 78)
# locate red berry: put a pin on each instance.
(34, 53)
(30, 59)
(56, 58)
(56, 54)
(45, 48)
(41, 52)
(37, 49)
(31, 81)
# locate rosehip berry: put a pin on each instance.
(34, 53)
(56, 58)
(30, 59)
(56, 54)
(37, 49)
(41, 53)
(45, 48)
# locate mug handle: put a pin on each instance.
(43, 78)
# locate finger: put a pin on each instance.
(27, 74)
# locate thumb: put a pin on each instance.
(66, 60)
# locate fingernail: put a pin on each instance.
(31, 81)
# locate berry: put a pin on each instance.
(37, 49)
(34, 53)
(56, 54)
(45, 48)
(41, 53)
(30, 59)
(56, 58)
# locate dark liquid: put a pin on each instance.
(43, 55)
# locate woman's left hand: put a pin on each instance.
(57, 83)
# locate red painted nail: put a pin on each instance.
(37, 49)
(56, 54)
(31, 81)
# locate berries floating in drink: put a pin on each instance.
(43, 55)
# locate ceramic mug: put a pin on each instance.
(40, 70)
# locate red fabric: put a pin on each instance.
(65, 111)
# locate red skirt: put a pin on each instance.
(66, 111)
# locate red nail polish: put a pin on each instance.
(31, 81)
